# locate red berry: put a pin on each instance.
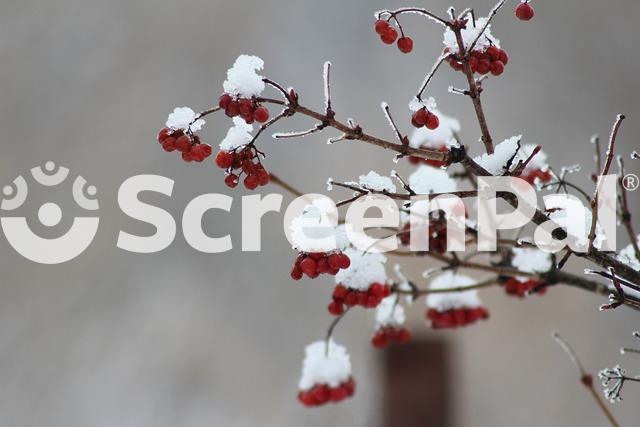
(187, 157)
(169, 144)
(334, 261)
(163, 134)
(493, 52)
(473, 63)
(420, 117)
(321, 394)
(232, 109)
(251, 182)
(245, 107)
(183, 144)
(261, 114)
(308, 266)
(231, 180)
(296, 273)
(340, 292)
(345, 261)
(263, 177)
(338, 394)
(432, 121)
(381, 26)
(376, 290)
(336, 308)
(389, 36)
(456, 65)
(224, 159)
(497, 68)
(206, 150)
(484, 66)
(379, 340)
(405, 44)
(196, 153)
(504, 57)
(524, 11)
(224, 101)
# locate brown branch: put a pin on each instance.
(357, 134)
(586, 379)
(474, 92)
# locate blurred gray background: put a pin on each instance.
(181, 338)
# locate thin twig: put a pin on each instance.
(605, 171)
(585, 378)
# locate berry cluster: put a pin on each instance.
(389, 334)
(517, 288)
(456, 317)
(241, 161)
(530, 176)
(388, 35)
(189, 145)
(323, 393)
(246, 108)
(435, 163)
(524, 11)
(437, 234)
(316, 263)
(343, 296)
(492, 60)
(426, 118)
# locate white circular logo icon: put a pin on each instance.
(54, 250)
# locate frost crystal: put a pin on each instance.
(237, 136)
(374, 181)
(242, 78)
(452, 300)
(469, 35)
(531, 260)
(365, 270)
(324, 365)
(442, 135)
(184, 118)
(389, 313)
(415, 104)
(496, 163)
(427, 179)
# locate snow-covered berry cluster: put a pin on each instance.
(239, 156)
(363, 284)
(248, 109)
(316, 263)
(456, 317)
(190, 146)
(453, 309)
(485, 55)
(326, 374)
(179, 135)
(524, 11)
(242, 161)
(518, 287)
(390, 319)
(368, 298)
(388, 35)
(390, 334)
